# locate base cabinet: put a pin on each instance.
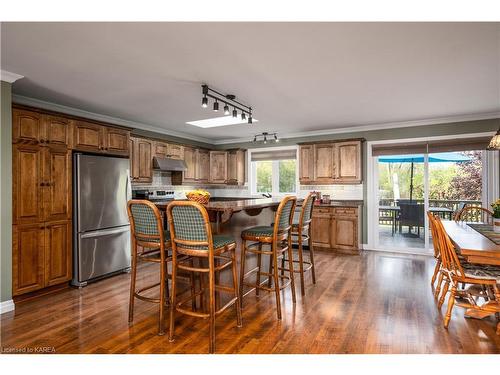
(57, 254)
(336, 228)
(28, 258)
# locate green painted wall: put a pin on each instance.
(5, 192)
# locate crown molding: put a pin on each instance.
(25, 100)
(9, 76)
(378, 126)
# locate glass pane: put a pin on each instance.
(401, 201)
(287, 176)
(264, 176)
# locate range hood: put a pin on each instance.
(169, 165)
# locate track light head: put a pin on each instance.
(255, 138)
(250, 119)
(243, 116)
(204, 102)
(235, 112)
(276, 138)
(265, 140)
(226, 109)
(216, 105)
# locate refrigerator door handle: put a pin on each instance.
(128, 187)
(105, 232)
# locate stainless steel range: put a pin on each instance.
(101, 234)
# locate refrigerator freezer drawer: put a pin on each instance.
(102, 252)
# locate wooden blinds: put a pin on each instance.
(444, 145)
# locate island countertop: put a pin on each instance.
(234, 205)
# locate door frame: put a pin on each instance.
(490, 189)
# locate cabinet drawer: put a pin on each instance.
(345, 211)
(322, 210)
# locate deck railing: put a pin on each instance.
(385, 217)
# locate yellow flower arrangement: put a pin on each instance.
(496, 209)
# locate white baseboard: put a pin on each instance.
(6, 306)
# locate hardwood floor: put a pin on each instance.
(372, 303)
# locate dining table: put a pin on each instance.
(476, 248)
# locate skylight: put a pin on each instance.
(219, 121)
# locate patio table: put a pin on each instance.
(442, 211)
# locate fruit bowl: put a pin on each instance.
(200, 196)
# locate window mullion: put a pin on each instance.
(275, 177)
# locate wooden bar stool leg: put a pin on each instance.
(202, 285)
(443, 294)
(173, 298)
(133, 275)
(276, 281)
(301, 266)
(193, 286)
(270, 271)
(242, 268)
(167, 294)
(161, 323)
(451, 302)
(259, 264)
(211, 287)
(290, 269)
(311, 255)
(235, 287)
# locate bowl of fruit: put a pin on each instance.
(199, 195)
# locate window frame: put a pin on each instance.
(252, 167)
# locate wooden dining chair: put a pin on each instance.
(473, 213)
(458, 273)
(437, 253)
(301, 232)
(278, 238)
(191, 235)
(149, 243)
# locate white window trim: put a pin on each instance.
(253, 177)
(489, 173)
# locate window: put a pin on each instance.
(274, 172)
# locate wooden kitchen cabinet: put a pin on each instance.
(202, 166)
(189, 175)
(116, 141)
(26, 126)
(175, 151)
(28, 258)
(57, 190)
(236, 167)
(324, 166)
(141, 159)
(57, 131)
(93, 137)
(306, 164)
(57, 258)
(348, 162)
(336, 228)
(218, 167)
(160, 149)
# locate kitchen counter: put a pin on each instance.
(355, 203)
(233, 205)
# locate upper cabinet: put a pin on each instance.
(141, 159)
(31, 127)
(202, 166)
(168, 150)
(218, 167)
(330, 163)
(236, 167)
(89, 136)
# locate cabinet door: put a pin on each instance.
(27, 184)
(116, 141)
(26, 126)
(202, 166)
(348, 157)
(320, 229)
(175, 151)
(142, 157)
(56, 191)
(324, 167)
(218, 167)
(345, 232)
(236, 167)
(88, 136)
(190, 160)
(306, 164)
(160, 149)
(27, 258)
(57, 131)
(57, 252)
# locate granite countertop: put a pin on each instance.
(350, 203)
(234, 205)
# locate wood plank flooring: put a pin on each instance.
(372, 303)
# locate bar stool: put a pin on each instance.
(191, 235)
(278, 237)
(146, 226)
(301, 232)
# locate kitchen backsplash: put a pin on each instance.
(163, 181)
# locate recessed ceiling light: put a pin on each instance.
(219, 121)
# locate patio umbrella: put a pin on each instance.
(442, 157)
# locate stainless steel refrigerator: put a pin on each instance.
(101, 235)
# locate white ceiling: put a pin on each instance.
(297, 76)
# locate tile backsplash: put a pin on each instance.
(163, 181)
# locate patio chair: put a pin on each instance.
(411, 215)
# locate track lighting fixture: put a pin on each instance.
(262, 137)
(228, 100)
